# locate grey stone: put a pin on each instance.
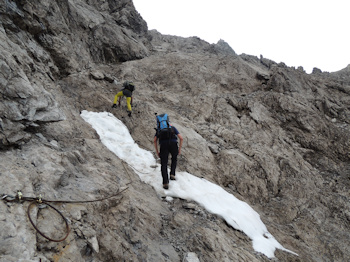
(273, 136)
(191, 257)
(97, 75)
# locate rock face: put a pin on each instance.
(273, 136)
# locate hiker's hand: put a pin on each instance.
(114, 105)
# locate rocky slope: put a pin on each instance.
(271, 135)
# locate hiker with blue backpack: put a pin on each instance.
(167, 135)
(128, 88)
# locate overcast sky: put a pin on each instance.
(307, 33)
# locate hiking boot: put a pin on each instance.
(129, 114)
(172, 177)
(165, 186)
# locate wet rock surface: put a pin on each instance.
(273, 136)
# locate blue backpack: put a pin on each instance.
(164, 129)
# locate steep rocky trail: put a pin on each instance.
(284, 150)
(273, 136)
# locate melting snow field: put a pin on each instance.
(116, 137)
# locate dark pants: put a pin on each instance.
(165, 149)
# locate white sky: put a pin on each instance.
(308, 33)
(116, 137)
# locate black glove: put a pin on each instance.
(114, 105)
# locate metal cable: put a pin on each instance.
(37, 229)
(38, 200)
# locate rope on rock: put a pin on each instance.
(38, 200)
(37, 229)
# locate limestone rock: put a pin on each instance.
(191, 257)
(225, 47)
(273, 136)
(97, 75)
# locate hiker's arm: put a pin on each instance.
(181, 140)
(155, 145)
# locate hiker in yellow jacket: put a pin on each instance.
(128, 88)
